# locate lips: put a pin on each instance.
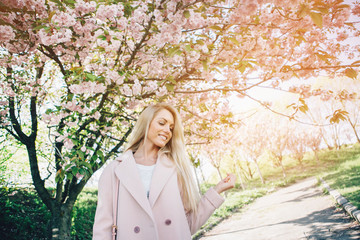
(163, 137)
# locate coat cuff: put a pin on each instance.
(214, 197)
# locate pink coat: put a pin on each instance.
(160, 217)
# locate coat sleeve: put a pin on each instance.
(103, 222)
(208, 203)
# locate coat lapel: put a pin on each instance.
(129, 177)
(163, 171)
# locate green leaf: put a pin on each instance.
(201, 42)
(169, 87)
(337, 116)
(70, 1)
(242, 68)
(82, 171)
(303, 11)
(57, 1)
(323, 57)
(351, 73)
(171, 79)
(188, 48)
(205, 65)
(174, 51)
(60, 174)
(74, 170)
(81, 154)
(102, 37)
(88, 166)
(291, 105)
(304, 108)
(234, 40)
(317, 18)
(203, 107)
(215, 27)
(69, 175)
(39, 27)
(186, 14)
(322, 9)
(100, 154)
(91, 76)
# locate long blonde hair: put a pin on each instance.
(174, 149)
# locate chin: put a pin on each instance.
(161, 145)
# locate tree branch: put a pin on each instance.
(51, 54)
(138, 45)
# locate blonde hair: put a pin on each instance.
(174, 149)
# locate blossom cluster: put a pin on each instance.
(87, 88)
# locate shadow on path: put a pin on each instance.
(296, 212)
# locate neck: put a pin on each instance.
(146, 154)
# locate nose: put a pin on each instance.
(168, 129)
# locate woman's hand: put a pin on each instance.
(226, 183)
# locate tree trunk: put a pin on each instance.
(202, 173)
(258, 168)
(61, 221)
(283, 169)
(249, 170)
(197, 179)
(218, 170)
(353, 126)
(316, 156)
(238, 173)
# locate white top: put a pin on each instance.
(146, 173)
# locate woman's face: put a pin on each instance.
(160, 129)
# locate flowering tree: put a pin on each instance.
(314, 138)
(297, 145)
(85, 69)
(254, 142)
(278, 141)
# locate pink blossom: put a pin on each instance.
(64, 19)
(79, 176)
(68, 143)
(150, 87)
(6, 33)
(114, 76)
(72, 124)
(136, 87)
(126, 90)
(85, 7)
(3, 112)
(63, 35)
(342, 36)
(97, 115)
(161, 92)
(106, 12)
(87, 87)
(356, 10)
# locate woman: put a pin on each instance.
(150, 188)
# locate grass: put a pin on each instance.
(83, 215)
(24, 216)
(340, 168)
(346, 180)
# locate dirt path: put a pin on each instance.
(299, 211)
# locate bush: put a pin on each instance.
(22, 215)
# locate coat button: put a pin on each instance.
(137, 229)
(167, 221)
